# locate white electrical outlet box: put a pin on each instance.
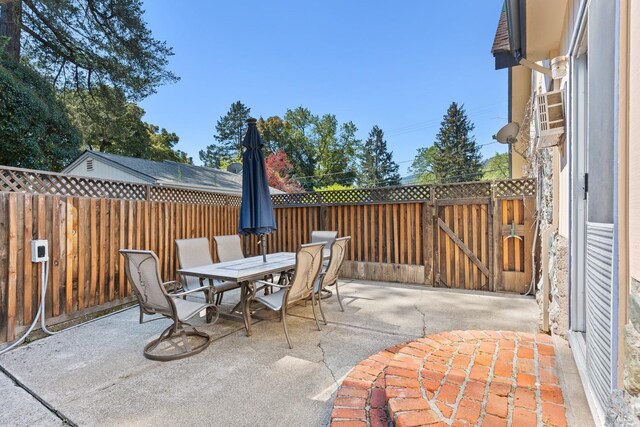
(39, 250)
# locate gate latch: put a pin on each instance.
(513, 233)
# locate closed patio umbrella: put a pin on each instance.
(256, 211)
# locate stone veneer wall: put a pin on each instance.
(541, 167)
(624, 408)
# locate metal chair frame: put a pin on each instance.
(338, 250)
(302, 282)
(170, 310)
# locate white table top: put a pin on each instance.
(244, 269)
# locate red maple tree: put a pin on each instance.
(279, 168)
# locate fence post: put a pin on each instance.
(493, 236)
(322, 212)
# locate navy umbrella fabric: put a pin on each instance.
(256, 211)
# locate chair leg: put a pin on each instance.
(338, 296)
(313, 307)
(324, 319)
(283, 313)
(141, 315)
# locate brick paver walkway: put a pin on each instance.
(458, 378)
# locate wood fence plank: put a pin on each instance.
(70, 234)
(59, 241)
(517, 260)
(12, 281)
(93, 248)
(122, 244)
(396, 245)
(352, 218)
(42, 235)
(366, 234)
(83, 227)
(104, 254)
(403, 236)
(418, 234)
(130, 240)
(465, 239)
(27, 301)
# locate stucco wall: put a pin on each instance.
(104, 171)
(520, 94)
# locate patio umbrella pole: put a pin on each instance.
(264, 254)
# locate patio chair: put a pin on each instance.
(229, 247)
(329, 277)
(308, 264)
(324, 236)
(194, 253)
(142, 270)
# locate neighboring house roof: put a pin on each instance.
(170, 173)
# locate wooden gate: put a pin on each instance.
(513, 243)
(462, 244)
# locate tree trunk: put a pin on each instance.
(10, 21)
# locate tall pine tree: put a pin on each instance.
(230, 130)
(458, 157)
(378, 167)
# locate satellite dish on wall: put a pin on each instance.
(507, 134)
(234, 168)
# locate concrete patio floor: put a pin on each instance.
(95, 373)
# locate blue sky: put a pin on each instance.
(395, 64)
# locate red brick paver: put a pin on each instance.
(470, 378)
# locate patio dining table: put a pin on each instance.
(246, 272)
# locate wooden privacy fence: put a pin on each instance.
(470, 236)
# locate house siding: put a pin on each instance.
(103, 170)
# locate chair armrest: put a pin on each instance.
(201, 289)
(172, 286)
(270, 284)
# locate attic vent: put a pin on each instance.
(550, 118)
(89, 165)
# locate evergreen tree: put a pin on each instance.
(79, 43)
(458, 158)
(378, 167)
(230, 130)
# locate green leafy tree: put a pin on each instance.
(377, 168)
(109, 123)
(496, 167)
(274, 132)
(230, 131)
(81, 43)
(300, 145)
(334, 187)
(35, 130)
(458, 158)
(162, 143)
(422, 165)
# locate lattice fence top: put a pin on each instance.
(355, 196)
(179, 195)
(465, 190)
(30, 181)
(515, 188)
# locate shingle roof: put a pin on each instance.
(180, 174)
(501, 41)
